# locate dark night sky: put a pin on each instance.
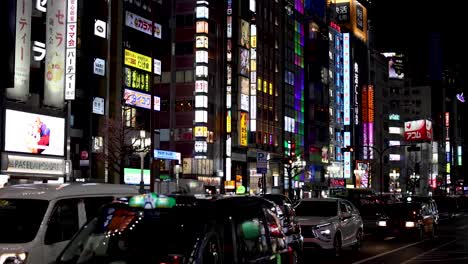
(405, 25)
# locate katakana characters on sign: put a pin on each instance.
(39, 50)
(60, 16)
(59, 38)
(41, 5)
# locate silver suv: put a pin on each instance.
(330, 223)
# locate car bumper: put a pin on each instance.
(396, 231)
(316, 243)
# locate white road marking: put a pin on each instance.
(424, 253)
(388, 252)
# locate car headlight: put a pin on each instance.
(322, 225)
(382, 223)
(323, 230)
(409, 224)
(13, 258)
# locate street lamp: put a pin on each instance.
(394, 175)
(414, 179)
(141, 145)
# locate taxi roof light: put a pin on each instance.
(152, 201)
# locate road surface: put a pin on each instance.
(451, 246)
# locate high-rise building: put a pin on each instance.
(357, 126)
(226, 79)
(319, 111)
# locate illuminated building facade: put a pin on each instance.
(253, 94)
(293, 92)
(323, 107)
(350, 18)
(336, 107)
(91, 66)
(192, 89)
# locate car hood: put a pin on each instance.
(315, 220)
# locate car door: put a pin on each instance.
(356, 220)
(346, 223)
(62, 225)
(259, 250)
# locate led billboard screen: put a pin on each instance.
(395, 65)
(34, 133)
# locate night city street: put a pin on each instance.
(449, 247)
(233, 132)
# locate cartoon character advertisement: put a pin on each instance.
(34, 134)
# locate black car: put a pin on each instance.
(415, 219)
(288, 219)
(156, 229)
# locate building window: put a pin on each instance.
(184, 20)
(189, 76)
(166, 77)
(129, 116)
(395, 90)
(184, 48)
(184, 106)
(180, 77)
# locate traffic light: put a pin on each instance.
(293, 148)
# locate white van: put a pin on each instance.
(38, 220)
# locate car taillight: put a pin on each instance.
(172, 260)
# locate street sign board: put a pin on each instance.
(262, 162)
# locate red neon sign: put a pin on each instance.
(335, 26)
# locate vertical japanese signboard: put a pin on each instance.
(347, 165)
(229, 47)
(22, 51)
(201, 79)
(346, 80)
(56, 39)
(70, 61)
(243, 123)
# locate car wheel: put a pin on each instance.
(337, 245)
(359, 238)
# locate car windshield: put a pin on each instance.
(401, 210)
(317, 208)
(126, 235)
(20, 219)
